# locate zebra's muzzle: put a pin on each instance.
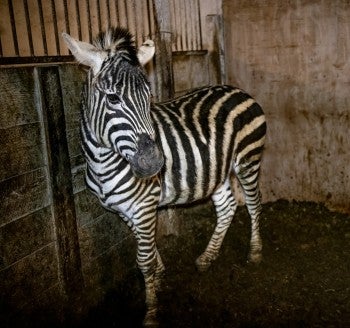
(148, 160)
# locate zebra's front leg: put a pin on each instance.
(153, 274)
(150, 264)
(225, 206)
(160, 268)
(147, 262)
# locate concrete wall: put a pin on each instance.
(294, 58)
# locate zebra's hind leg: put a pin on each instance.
(225, 206)
(248, 175)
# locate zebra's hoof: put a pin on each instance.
(203, 263)
(255, 257)
(150, 320)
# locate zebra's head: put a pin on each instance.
(118, 97)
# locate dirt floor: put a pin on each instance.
(303, 280)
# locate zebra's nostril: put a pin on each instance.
(143, 162)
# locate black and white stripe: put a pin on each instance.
(205, 135)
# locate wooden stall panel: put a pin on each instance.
(28, 261)
(38, 233)
(23, 178)
(23, 194)
(19, 289)
(108, 270)
(39, 46)
(22, 150)
(17, 102)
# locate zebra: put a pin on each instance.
(142, 155)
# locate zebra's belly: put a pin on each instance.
(192, 174)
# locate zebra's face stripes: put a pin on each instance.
(121, 118)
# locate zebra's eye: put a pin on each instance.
(113, 98)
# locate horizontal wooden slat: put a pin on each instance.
(87, 207)
(17, 101)
(100, 235)
(29, 278)
(98, 275)
(21, 150)
(23, 194)
(25, 235)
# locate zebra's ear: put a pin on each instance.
(85, 53)
(146, 52)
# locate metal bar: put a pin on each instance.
(117, 12)
(133, 17)
(1, 53)
(199, 29)
(42, 24)
(54, 19)
(13, 26)
(89, 19)
(66, 17)
(150, 18)
(98, 9)
(78, 19)
(126, 12)
(29, 27)
(109, 14)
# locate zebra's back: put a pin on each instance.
(204, 135)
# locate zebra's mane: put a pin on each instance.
(117, 40)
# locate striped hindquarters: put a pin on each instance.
(203, 135)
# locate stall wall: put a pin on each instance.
(293, 56)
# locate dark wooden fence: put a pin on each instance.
(56, 240)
